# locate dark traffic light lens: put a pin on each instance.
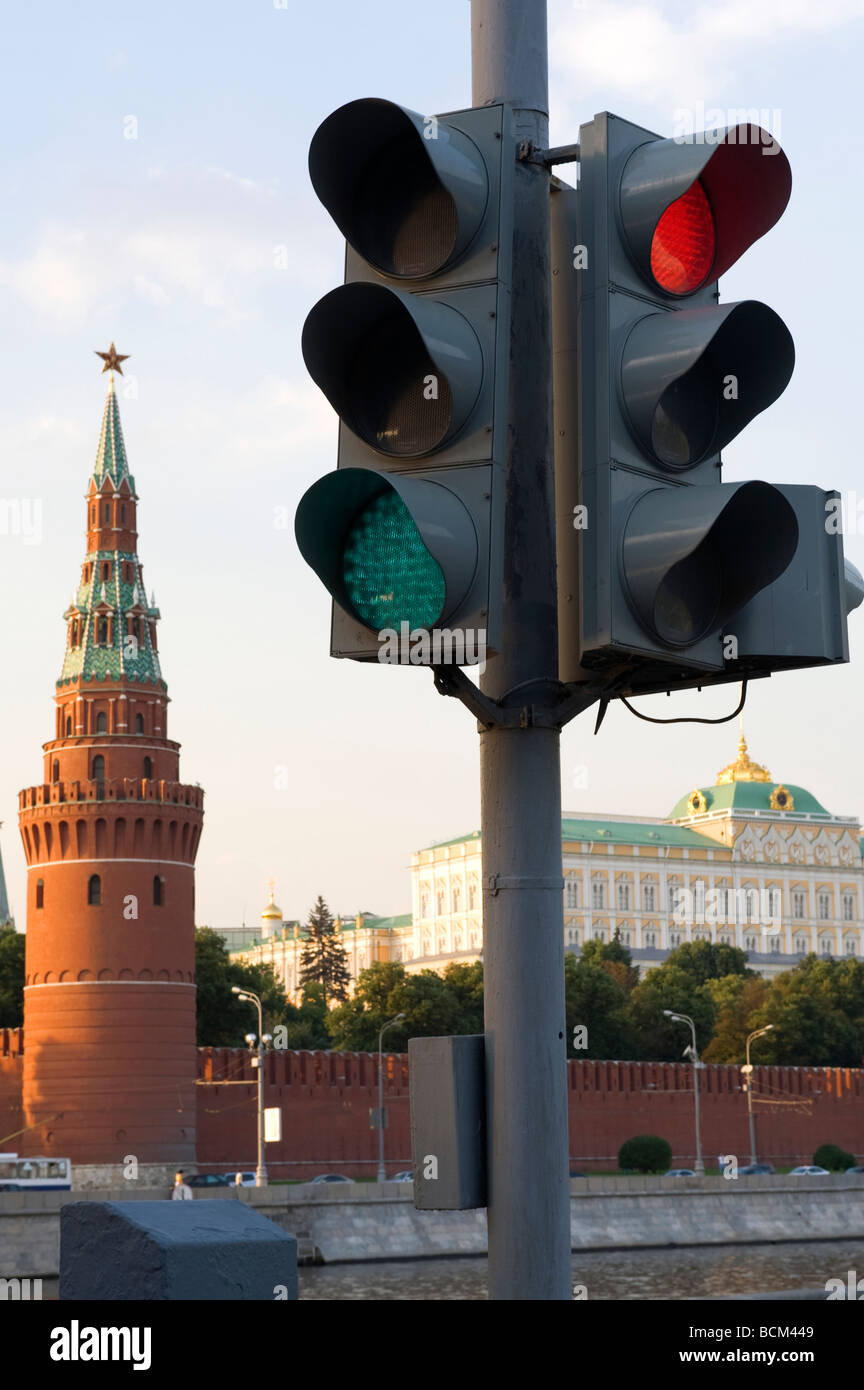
(401, 402)
(390, 577)
(682, 248)
(406, 221)
(685, 420)
(687, 601)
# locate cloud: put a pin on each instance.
(649, 51)
(211, 238)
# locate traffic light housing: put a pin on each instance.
(667, 576)
(412, 352)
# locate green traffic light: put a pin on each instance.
(390, 577)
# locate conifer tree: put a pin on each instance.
(323, 957)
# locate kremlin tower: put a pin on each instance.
(110, 837)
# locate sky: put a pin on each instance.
(156, 194)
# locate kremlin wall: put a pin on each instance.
(325, 1098)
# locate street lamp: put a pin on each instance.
(694, 1056)
(382, 1172)
(248, 996)
(748, 1072)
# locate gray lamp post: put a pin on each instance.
(250, 997)
(382, 1172)
(748, 1072)
(694, 1056)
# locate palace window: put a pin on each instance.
(824, 906)
(599, 934)
(749, 943)
(775, 944)
(850, 946)
(798, 905)
(801, 945)
(626, 936)
(773, 902)
(457, 898)
(651, 939)
(848, 907)
(425, 902)
(826, 946)
(674, 939)
(598, 895)
(649, 897)
(572, 891)
(94, 891)
(623, 897)
(725, 938)
(439, 902)
(472, 897)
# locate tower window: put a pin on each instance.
(148, 768)
(139, 723)
(55, 770)
(122, 513)
(102, 722)
(102, 632)
(158, 890)
(99, 769)
(106, 569)
(94, 891)
(68, 725)
(40, 893)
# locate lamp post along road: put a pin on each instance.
(248, 996)
(694, 1057)
(749, 1074)
(382, 1173)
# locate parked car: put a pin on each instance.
(207, 1180)
(13, 1186)
(247, 1179)
(331, 1177)
(857, 1168)
(405, 1176)
(680, 1173)
(808, 1170)
(752, 1168)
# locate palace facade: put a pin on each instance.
(747, 861)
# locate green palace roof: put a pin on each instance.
(595, 830)
(749, 796)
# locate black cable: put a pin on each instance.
(690, 719)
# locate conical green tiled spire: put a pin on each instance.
(111, 458)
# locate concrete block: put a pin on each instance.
(172, 1251)
(448, 1122)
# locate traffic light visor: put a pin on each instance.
(408, 192)
(403, 372)
(389, 549)
(691, 208)
(692, 557)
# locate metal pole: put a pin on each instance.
(523, 909)
(700, 1166)
(261, 1170)
(750, 1120)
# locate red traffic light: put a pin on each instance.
(682, 248)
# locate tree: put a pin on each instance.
(709, 960)
(810, 1009)
(670, 987)
(303, 1027)
(11, 977)
(323, 957)
(433, 1005)
(222, 1018)
(595, 1001)
(740, 1003)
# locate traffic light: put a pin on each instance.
(667, 576)
(412, 352)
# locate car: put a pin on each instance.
(331, 1177)
(752, 1168)
(405, 1176)
(808, 1170)
(574, 1174)
(207, 1180)
(13, 1186)
(680, 1173)
(857, 1168)
(247, 1179)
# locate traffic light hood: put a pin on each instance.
(732, 184)
(408, 192)
(403, 372)
(692, 557)
(693, 379)
(414, 538)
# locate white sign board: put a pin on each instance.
(273, 1124)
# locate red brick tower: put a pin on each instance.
(110, 837)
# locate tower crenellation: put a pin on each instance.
(110, 837)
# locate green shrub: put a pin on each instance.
(646, 1153)
(832, 1157)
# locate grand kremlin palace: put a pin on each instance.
(760, 864)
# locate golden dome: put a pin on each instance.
(271, 913)
(743, 769)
